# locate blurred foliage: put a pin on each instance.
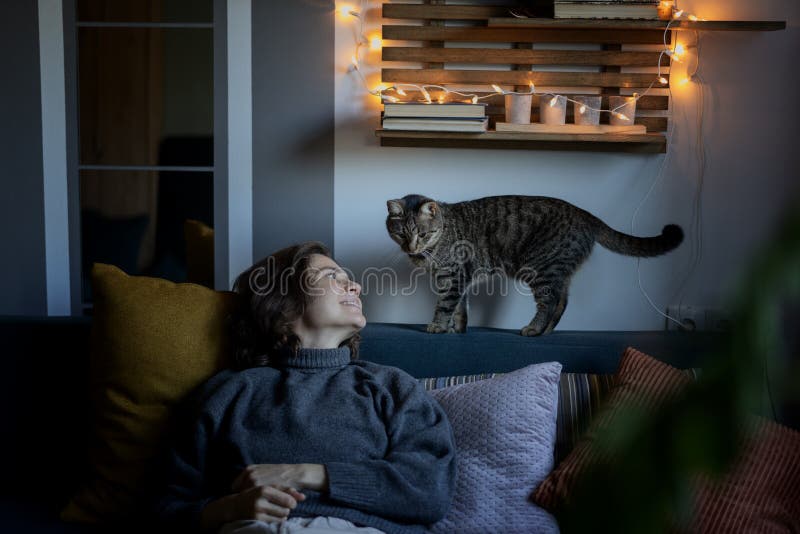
(647, 487)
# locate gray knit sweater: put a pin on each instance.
(387, 445)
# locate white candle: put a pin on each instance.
(553, 109)
(587, 110)
(623, 110)
(518, 109)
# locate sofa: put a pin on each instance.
(46, 405)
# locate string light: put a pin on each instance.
(426, 94)
(376, 42)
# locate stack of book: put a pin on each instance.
(447, 117)
(606, 9)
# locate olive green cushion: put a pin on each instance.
(152, 342)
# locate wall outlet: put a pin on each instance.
(697, 318)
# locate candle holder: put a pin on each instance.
(518, 109)
(628, 109)
(553, 110)
(666, 9)
(591, 113)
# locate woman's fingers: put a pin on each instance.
(278, 497)
(296, 494)
(264, 475)
(263, 506)
(274, 504)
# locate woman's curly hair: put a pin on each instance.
(271, 298)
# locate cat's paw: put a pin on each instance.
(436, 328)
(531, 331)
(457, 329)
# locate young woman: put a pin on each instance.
(303, 436)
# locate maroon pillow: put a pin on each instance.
(760, 494)
(640, 381)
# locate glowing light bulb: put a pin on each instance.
(582, 110)
(678, 14)
(390, 98)
(380, 88)
(683, 81)
(347, 10)
(679, 49)
(375, 42)
(674, 55)
(663, 80)
(553, 102)
(474, 99)
(533, 87)
(441, 99)
(425, 94)
(497, 89)
(621, 116)
(692, 18)
(401, 92)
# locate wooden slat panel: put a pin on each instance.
(442, 12)
(522, 35)
(648, 144)
(434, 44)
(622, 24)
(654, 124)
(524, 57)
(560, 79)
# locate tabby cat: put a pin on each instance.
(540, 241)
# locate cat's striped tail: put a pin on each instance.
(644, 247)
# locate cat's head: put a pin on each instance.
(415, 223)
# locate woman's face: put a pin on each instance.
(333, 310)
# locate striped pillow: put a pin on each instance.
(579, 398)
(762, 493)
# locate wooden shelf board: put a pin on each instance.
(649, 143)
(626, 24)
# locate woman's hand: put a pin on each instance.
(264, 503)
(310, 476)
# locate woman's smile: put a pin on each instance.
(354, 303)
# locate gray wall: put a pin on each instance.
(22, 269)
(293, 122)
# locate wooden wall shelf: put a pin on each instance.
(642, 144)
(621, 24)
(481, 24)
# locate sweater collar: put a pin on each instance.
(315, 358)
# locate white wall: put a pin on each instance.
(751, 130)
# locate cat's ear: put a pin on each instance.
(430, 209)
(395, 207)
